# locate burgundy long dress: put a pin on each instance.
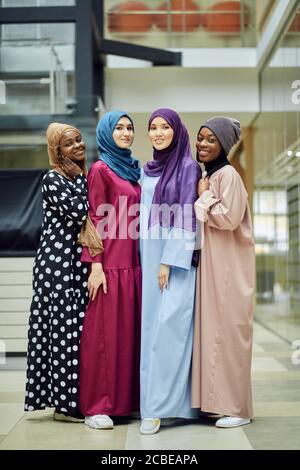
(110, 341)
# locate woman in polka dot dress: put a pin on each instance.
(59, 281)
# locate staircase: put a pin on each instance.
(15, 299)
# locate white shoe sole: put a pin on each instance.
(232, 425)
(104, 426)
(152, 431)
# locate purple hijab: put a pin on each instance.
(179, 174)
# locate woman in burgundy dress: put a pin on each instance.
(110, 342)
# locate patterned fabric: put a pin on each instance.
(59, 299)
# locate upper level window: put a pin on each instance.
(36, 3)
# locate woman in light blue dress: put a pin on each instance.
(169, 260)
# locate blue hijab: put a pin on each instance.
(119, 160)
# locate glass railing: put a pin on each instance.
(182, 23)
(36, 3)
(23, 136)
(38, 75)
(34, 97)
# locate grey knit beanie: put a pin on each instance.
(226, 129)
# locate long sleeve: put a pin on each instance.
(223, 205)
(179, 248)
(180, 245)
(69, 200)
(97, 196)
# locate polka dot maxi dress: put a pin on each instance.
(59, 299)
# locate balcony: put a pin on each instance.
(182, 23)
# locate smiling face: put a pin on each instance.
(207, 145)
(160, 133)
(123, 133)
(71, 145)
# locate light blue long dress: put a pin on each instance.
(167, 318)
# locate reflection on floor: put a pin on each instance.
(272, 317)
(276, 386)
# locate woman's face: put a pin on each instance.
(123, 133)
(71, 145)
(160, 133)
(207, 145)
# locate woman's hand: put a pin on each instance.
(203, 185)
(70, 168)
(163, 277)
(95, 280)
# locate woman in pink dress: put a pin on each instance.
(110, 342)
(221, 378)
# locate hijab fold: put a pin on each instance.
(54, 134)
(228, 131)
(179, 174)
(88, 236)
(117, 159)
(215, 165)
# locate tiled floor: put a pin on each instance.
(276, 391)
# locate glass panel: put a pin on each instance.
(277, 182)
(55, 33)
(264, 228)
(37, 66)
(23, 150)
(25, 146)
(182, 23)
(36, 3)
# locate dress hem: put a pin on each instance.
(222, 413)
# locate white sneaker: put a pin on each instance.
(99, 422)
(232, 422)
(150, 426)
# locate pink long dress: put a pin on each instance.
(110, 341)
(221, 373)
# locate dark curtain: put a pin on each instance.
(21, 211)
